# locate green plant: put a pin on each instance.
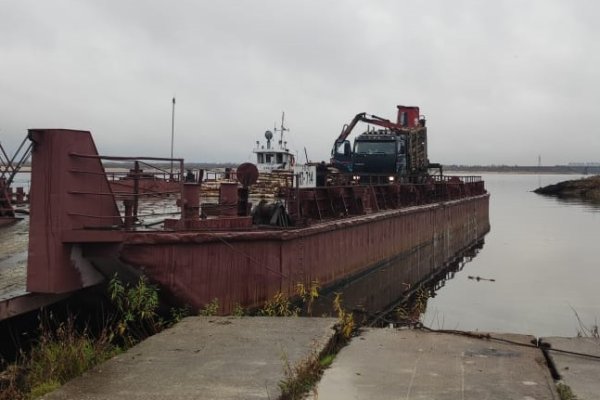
(345, 319)
(137, 309)
(326, 361)
(63, 351)
(64, 354)
(211, 308)
(238, 310)
(412, 311)
(44, 388)
(301, 377)
(59, 355)
(565, 392)
(177, 314)
(12, 382)
(308, 296)
(279, 306)
(421, 298)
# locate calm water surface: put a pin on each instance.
(543, 254)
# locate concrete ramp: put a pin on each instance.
(577, 361)
(409, 364)
(206, 358)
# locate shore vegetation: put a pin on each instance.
(64, 349)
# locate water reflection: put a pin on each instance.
(585, 204)
(375, 296)
(543, 254)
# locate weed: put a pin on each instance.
(308, 296)
(177, 314)
(137, 309)
(345, 319)
(211, 308)
(326, 361)
(44, 388)
(565, 392)
(279, 306)
(63, 351)
(238, 310)
(300, 378)
(412, 311)
(586, 330)
(59, 355)
(11, 383)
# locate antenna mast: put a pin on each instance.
(173, 135)
(282, 129)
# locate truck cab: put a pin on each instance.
(398, 149)
(379, 152)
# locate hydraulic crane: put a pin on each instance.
(399, 149)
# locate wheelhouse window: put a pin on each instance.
(379, 147)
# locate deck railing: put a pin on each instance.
(136, 193)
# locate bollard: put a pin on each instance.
(128, 204)
(191, 203)
(20, 198)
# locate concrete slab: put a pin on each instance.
(580, 373)
(205, 358)
(409, 364)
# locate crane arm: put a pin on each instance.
(349, 127)
(370, 119)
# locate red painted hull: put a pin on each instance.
(248, 268)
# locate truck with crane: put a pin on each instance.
(396, 151)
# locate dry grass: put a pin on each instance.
(59, 355)
(64, 351)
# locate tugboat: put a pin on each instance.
(274, 156)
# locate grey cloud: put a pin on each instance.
(499, 82)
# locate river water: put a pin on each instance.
(544, 257)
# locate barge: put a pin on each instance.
(82, 231)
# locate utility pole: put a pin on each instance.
(172, 134)
(539, 170)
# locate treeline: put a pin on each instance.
(526, 169)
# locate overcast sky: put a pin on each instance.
(500, 82)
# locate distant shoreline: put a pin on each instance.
(556, 169)
(587, 189)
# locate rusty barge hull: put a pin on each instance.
(246, 268)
